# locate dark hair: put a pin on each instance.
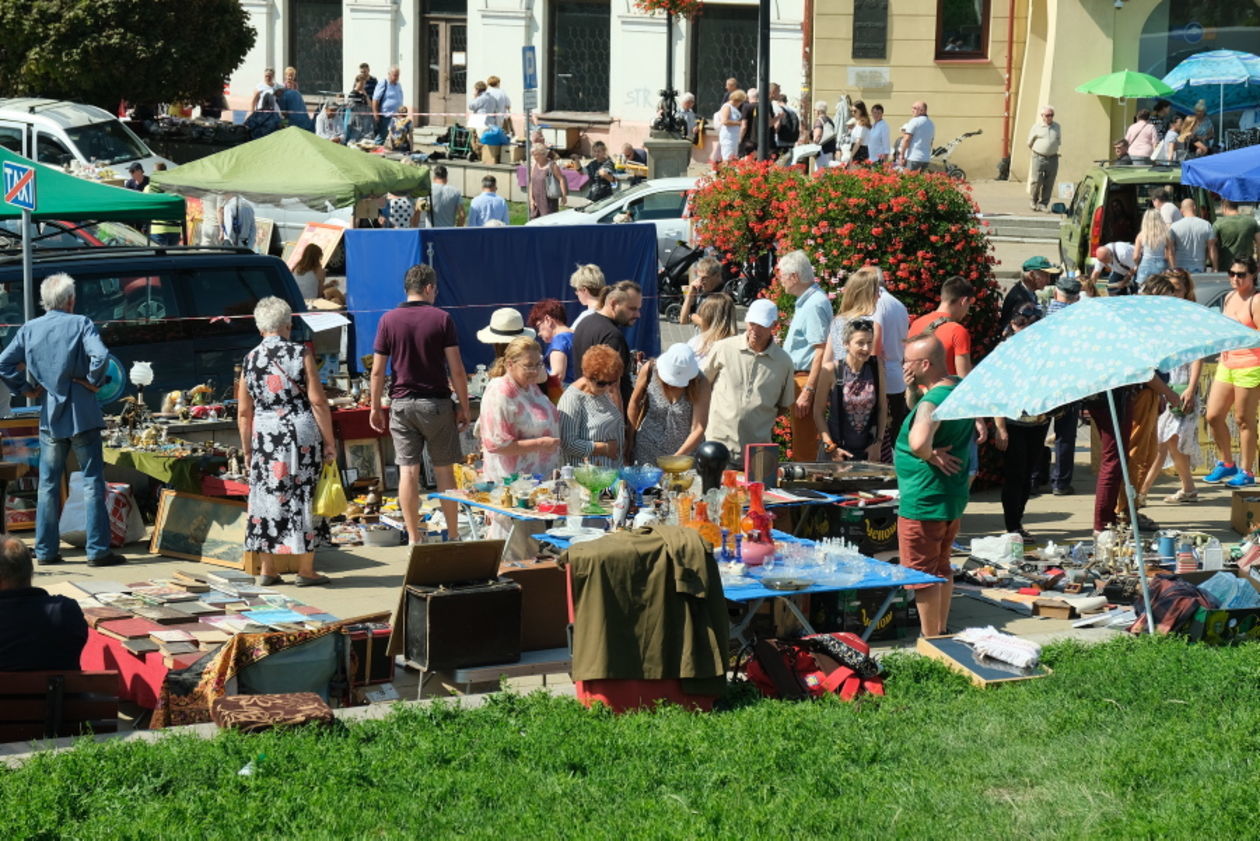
(1159, 285)
(419, 278)
(489, 181)
(1160, 194)
(1160, 105)
(15, 562)
(598, 144)
(1144, 114)
(546, 307)
(439, 171)
(856, 325)
(618, 291)
(1120, 140)
(957, 287)
(1248, 263)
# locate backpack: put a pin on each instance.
(789, 127)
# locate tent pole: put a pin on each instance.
(1138, 560)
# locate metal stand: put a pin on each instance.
(1133, 514)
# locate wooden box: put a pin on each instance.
(544, 612)
(454, 610)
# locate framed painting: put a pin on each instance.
(200, 528)
(363, 455)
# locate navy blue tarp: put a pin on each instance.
(482, 269)
(1234, 175)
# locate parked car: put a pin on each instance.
(173, 307)
(55, 132)
(1107, 206)
(661, 201)
(56, 234)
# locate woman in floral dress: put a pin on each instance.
(286, 433)
(519, 426)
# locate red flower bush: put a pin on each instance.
(919, 228)
(685, 8)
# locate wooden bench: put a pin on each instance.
(46, 705)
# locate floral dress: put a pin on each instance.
(665, 425)
(287, 449)
(510, 413)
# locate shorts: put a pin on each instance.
(1240, 377)
(415, 421)
(973, 456)
(917, 166)
(926, 545)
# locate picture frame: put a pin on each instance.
(19, 443)
(364, 456)
(391, 477)
(193, 527)
(348, 476)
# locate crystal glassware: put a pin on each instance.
(596, 480)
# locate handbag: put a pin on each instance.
(330, 496)
(828, 132)
(553, 183)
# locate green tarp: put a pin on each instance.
(295, 164)
(59, 195)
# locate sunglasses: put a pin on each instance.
(1233, 273)
(604, 383)
(862, 324)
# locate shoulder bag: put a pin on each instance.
(553, 183)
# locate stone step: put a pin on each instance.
(1025, 227)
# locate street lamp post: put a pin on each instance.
(667, 121)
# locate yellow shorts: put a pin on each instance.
(1241, 377)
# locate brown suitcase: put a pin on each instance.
(256, 713)
(452, 627)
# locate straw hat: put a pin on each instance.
(506, 324)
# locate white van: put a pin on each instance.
(55, 132)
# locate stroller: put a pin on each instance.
(672, 280)
(940, 157)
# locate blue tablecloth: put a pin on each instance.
(755, 591)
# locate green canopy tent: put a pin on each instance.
(71, 199)
(67, 198)
(295, 164)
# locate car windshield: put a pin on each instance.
(617, 197)
(109, 142)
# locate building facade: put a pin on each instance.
(992, 65)
(601, 63)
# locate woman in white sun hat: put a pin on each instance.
(505, 325)
(669, 406)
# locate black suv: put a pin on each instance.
(175, 307)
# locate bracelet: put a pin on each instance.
(808, 389)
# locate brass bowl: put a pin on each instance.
(675, 464)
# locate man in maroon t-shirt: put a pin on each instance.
(417, 340)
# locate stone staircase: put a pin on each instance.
(1039, 227)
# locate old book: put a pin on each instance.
(228, 576)
(93, 587)
(163, 593)
(140, 647)
(178, 647)
(175, 662)
(128, 629)
(189, 576)
(97, 615)
(163, 637)
(161, 615)
(211, 638)
(122, 601)
(197, 609)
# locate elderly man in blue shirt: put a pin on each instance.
(488, 207)
(805, 338)
(60, 357)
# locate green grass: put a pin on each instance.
(1133, 739)
(518, 213)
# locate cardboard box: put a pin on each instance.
(1244, 510)
(1053, 609)
(544, 612)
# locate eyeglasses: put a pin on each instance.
(532, 366)
(604, 383)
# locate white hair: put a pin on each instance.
(687, 97)
(272, 314)
(820, 105)
(797, 263)
(56, 292)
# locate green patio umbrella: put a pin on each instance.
(1125, 84)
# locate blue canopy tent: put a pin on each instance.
(1234, 175)
(482, 269)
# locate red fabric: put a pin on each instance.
(214, 486)
(349, 424)
(955, 337)
(623, 695)
(140, 678)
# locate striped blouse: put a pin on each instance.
(586, 419)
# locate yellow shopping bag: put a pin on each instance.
(330, 497)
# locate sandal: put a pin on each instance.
(269, 580)
(1181, 497)
(303, 581)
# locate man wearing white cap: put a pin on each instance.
(752, 381)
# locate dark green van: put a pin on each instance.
(1108, 205)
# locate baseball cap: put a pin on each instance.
(1041, 264)
(1070, 285)
(678, 365)
(763, 313)
(135, 166)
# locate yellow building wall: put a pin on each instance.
(961, 96)
(1057, 45)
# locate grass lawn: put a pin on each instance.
(1138, 738)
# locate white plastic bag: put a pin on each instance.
(126, 525)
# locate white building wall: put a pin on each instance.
(385, 32)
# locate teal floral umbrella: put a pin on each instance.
(1093, 346)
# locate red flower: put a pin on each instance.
(279, 469)
(274, 383)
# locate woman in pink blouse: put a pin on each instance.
(1142, 138)
(520, 427)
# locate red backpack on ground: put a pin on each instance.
(814, 666)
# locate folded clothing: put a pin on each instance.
(990, 642)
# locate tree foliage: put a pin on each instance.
(101, 51)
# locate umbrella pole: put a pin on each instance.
(1133, 514)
